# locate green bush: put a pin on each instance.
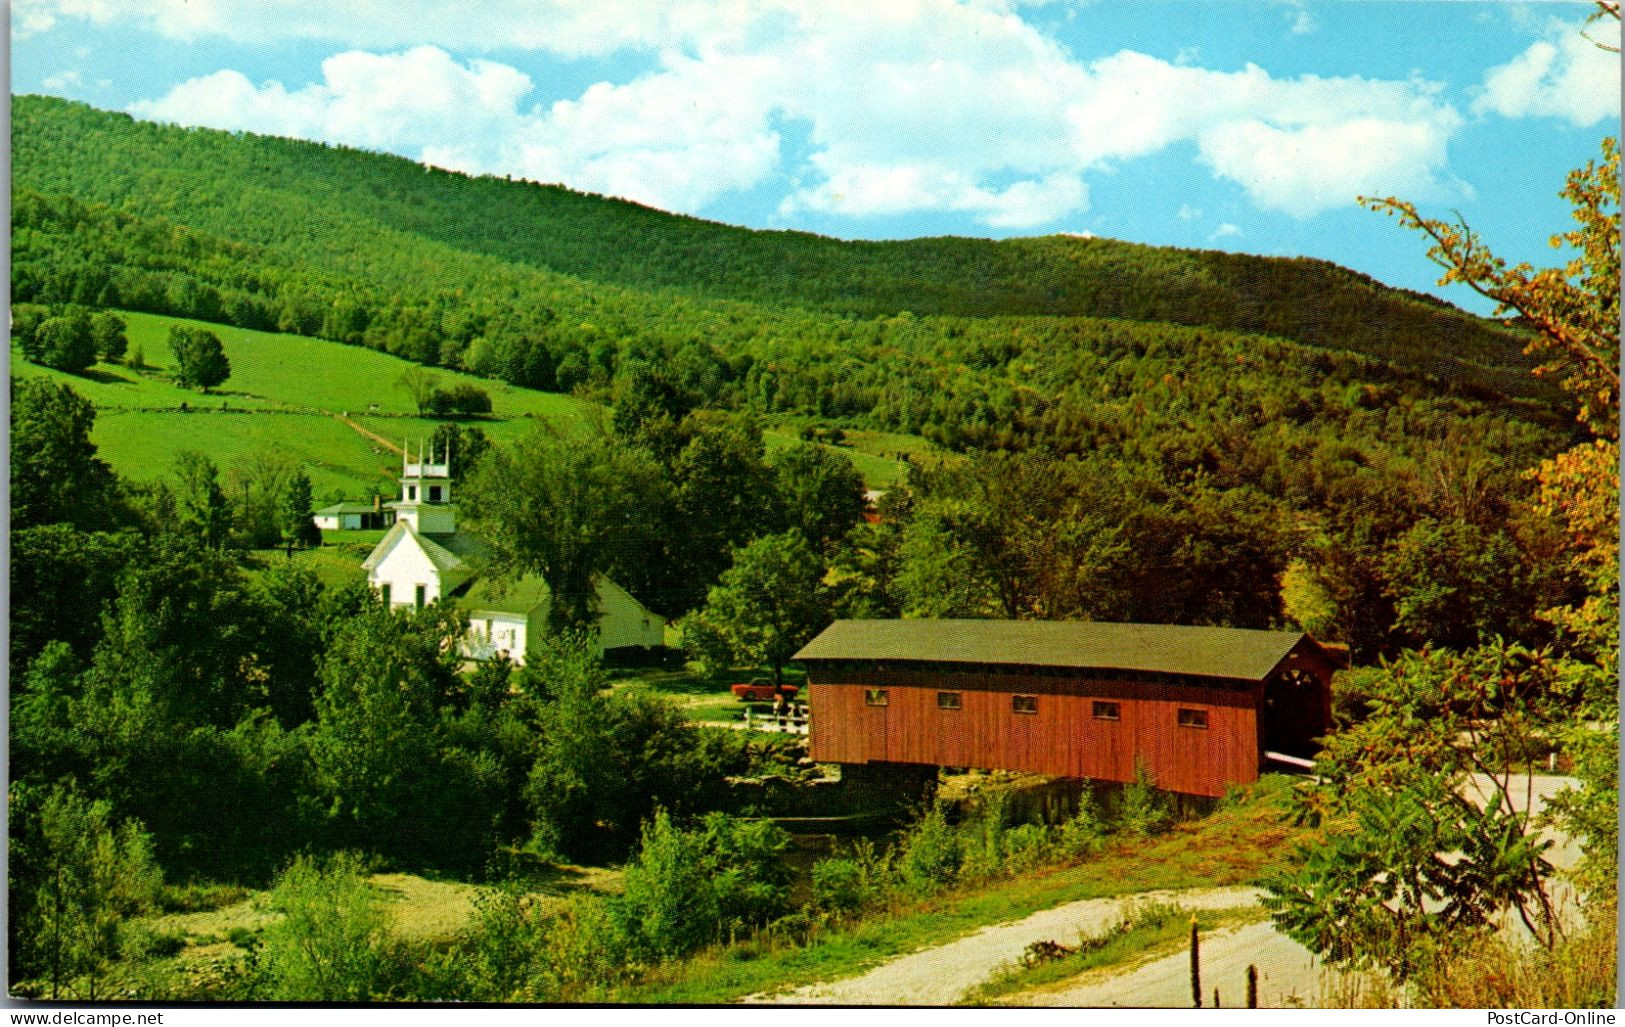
(1028, 846)
(930, 854)
(690, 888)
(1084, 833)
(839, 885)
(587, 952)
(503, 954)
(329, 944)
(982, 839)
(1142, 810)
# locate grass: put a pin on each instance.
(703, 697)
(333, 565)
(287, 392)
(875, 454)
(1234, 846)
(295, 387)
(1138, 938)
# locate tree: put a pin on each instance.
(81, 877)
(725, 496)
(820, 492)
(66, 343)
(201, 509)
(200, 359)
(466, 444)
(418, 383)
(294, 514)
(375, 747)
(1434, 768)
(55, 474)
(560, 508)
(107, 329)
(1572, 310)
(604, 759)
(1453, 583)
(460, 400)
(769, 604)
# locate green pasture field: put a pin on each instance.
(295, 386)
(287, 393)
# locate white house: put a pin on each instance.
(424, 558)
(352, 517)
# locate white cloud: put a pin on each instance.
(1189, 213)
(63, 81)
(907, 105)
(1224, 231)
(1565, 75)
(1302, 22)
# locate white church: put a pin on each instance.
(423, 558)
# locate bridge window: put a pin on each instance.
(1024, 703)
(947, 700)
(875, 697)
(1107, 711)
(1193, 718)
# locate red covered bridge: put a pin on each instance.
(1200, 706)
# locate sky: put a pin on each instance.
(1250, 127)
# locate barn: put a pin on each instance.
(1200, 706)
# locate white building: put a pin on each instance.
(424, 558)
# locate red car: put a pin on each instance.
(762, 690)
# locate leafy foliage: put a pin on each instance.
(200, 359)
(769, 604)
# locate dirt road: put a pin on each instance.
(1287, 975)
(940, 976)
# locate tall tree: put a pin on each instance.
(819, 492)
(107, 329)
(294, 514)
(560, 508)
(55, 474)
(200, 359)
(770, 603)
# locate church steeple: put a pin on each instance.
(425, 501)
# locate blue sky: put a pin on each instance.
(1240, 126)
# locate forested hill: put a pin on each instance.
(321, 219)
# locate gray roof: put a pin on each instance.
(1233, 653)
(347, 508)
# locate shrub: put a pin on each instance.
(1028, 846)
(1084, 833)
(930, 854)
(983, 839)
(689, 888)
(586, 952)
(839, 885)
(328, 946)
(1142, 810)
(504, 951)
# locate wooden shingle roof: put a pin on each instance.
(1231, 653)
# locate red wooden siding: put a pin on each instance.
(1063, 738)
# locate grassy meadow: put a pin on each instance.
(290, 394)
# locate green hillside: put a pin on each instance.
(372, 249)
(294, 396)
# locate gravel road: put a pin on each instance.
(940, 976)
(1287, 975)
